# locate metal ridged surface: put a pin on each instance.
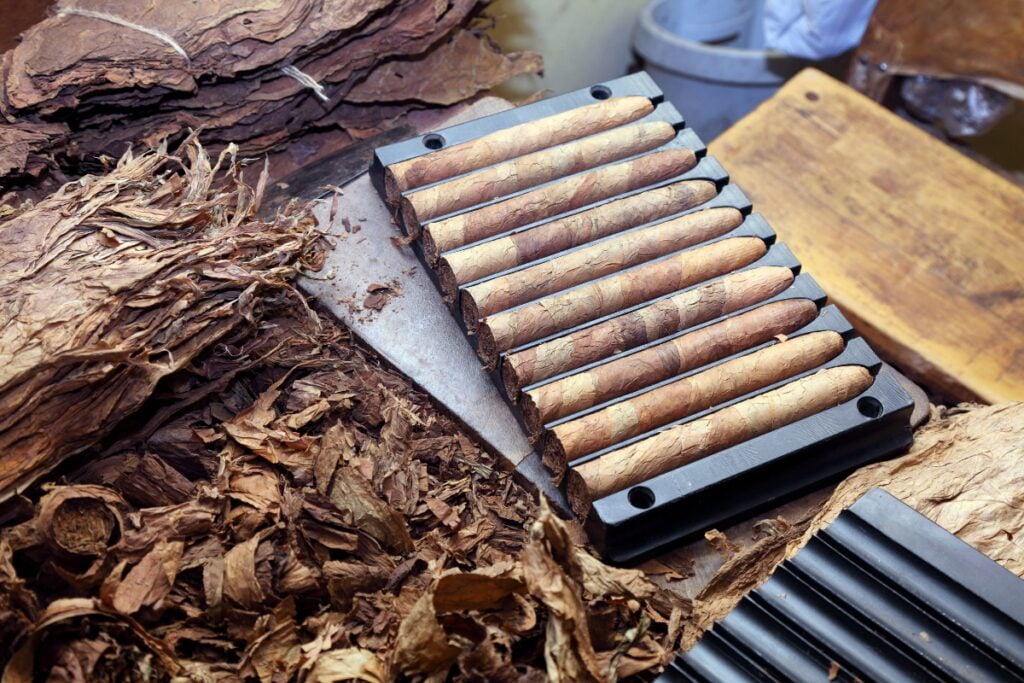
(881, 594)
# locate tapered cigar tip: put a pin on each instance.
(470, 311)
(799, 311)
(683, 157)
(855, 377)
(705, 190)
(578, 493)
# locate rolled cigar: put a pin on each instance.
(494, 256)
(596, 260)
(689, 395)
(562, 195)
(692, 441)
(619, 377)
(644, 325)
(505, 330)
(534, 169)
(512, 142)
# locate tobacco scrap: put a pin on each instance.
(284, 507)
(271, 77)
(379, 295)
(118, 281)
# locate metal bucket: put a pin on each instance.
(709, 59)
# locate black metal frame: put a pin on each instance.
(882, 593)
(737, 481)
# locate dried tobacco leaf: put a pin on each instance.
(257, 74)
(118, 281)
(321, 519)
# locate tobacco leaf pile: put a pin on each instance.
(256, 73)
(243, 492)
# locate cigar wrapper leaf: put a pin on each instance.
(686, 443)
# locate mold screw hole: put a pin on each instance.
(869, 407)
(433, 141)
(641, 497)
(600, 92)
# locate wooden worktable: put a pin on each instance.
(920, 246)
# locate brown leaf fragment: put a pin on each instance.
(362, 509)
(445, 513)
(461, 592)
(275, 655)
(151, 580)
(720, 543)
(349, 664)
(241, 583)
(433, 79)
(421, 646)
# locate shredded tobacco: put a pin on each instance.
(297, 77)
(273, 504)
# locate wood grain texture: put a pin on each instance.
(920, 246)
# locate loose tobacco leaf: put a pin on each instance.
(119, 280)
(279, 506)
(259, 74)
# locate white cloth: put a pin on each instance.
(815, 29)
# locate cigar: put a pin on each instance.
(561, 311)
(646, 324)
(534, 169)
(676, 400)
(597, 260)
(549, 200)
(512, 142)
(683, 444)
(642, 369)
(459, 267)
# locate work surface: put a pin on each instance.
(920, 246)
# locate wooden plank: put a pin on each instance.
(922, 247)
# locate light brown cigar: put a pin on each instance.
(688, 442)
(534, 169)
(642, 369)
(562, 195)
(676, 400)
(512, 142)
(459, 267)
(643, 325)
(505, 330)
(597, 260)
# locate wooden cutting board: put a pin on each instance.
(920, 246)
